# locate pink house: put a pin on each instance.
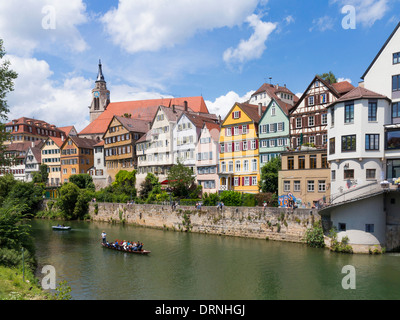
(207, 157)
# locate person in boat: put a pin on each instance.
(103, 236)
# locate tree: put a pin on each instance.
(7, 78)
(125, 183)
(83, 181)
(330, 77)
(269, 175)
(42, 175)
(69, 193)
(181, 180)
(149, 185)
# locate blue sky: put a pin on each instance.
(223, 50)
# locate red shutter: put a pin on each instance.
(306, 102)
(256, 144)
(242, 181)
(240, 129)
(233, 115)
(250, 181)
(239, 181)
(240, 114)
(304, 122)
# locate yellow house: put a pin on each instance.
(239, 151)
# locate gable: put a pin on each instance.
(385, 45)
(280, 115)
(230, 119)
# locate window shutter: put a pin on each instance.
(318, 120)
(250, 181)
(316, 99)
(240, 114)
(283, 126)
(233, 115)
(240, 129)
(239, 181)
(319, 140)
(304, 122)
(256, 144)
(327, 97)
(306, 101)
(242, 181)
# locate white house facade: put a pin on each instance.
(356, 148)
(383, 76)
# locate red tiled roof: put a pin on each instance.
(252, 111)
(143, 110)
(359, 93)
(67, 129)
(343, 87)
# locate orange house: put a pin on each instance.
(76, 156)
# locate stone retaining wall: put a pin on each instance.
(273, 223)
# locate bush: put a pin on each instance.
(249, 200)
(315, 236)
(210, 200)
(340, 246)
(231, 198)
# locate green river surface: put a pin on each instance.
(190, 266)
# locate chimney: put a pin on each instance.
(186, 105)
(149, 125)
(260, 109)
(173, 108)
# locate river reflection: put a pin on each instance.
(187, 266)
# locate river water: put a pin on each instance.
(188, 266)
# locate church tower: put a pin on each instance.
(100, 96)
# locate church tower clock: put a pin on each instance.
(100, 96)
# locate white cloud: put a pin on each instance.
(39, 97)
(367, 11)
(149, 25)
(322, 24)
(223, 104)
(24, 25)
(254, 47)
(344, 79)
(289, 19)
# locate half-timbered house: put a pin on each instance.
(308, 118)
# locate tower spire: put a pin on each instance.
(100, 76)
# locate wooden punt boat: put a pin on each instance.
(127, 251)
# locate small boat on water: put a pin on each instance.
(61, 228)
(121, 249)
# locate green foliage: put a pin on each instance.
(269, 175)
(249, 200)
(340, 246)
(231, 198)
(14, 235)
(125, 183)
(42, 175)
(315, 236)
(329, 76)
(28, 193)
(68, 196)
(7, 182)
(182, 181)
(149, 184)
(210, 199)
(62, 291)
(7, 78)
(83, 181)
